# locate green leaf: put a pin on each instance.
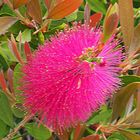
(56, 23)
(19, 113)
(97, 6)
(129, 135)
(5, 110)
(6, 52)
(41, 38)
(116, 136)
(26, 36)
(38, 132)
(17, 27)
(113, 1)
(3, 63)
(72, 16)
(80, 15)
(4, 129)
(16, 82)
(102, 116)
(54, 29)
(5, 10)
(128, 79)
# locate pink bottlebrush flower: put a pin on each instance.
(71, 76)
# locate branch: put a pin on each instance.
(16, 129)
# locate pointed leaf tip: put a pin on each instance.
(111, 21)
(64, 8)
(95, 19)
(34, 10)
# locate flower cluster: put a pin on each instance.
(71, 76)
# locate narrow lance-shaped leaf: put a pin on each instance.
(95, 19)
(79, 130)
(18, 3)
(14, 49)
(10, 79)
(135, 44)
(2, 81)
(5, 23)
(87, 14)
(110, 22)
(34, 10)
(126, 20)
(64, 8)
(27, 50)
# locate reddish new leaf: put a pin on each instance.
(2, 81)
(10, 79)
(18, 3)
(64, 8)
(34, 10)
(13, 47)
(79, 130)
(27, 50)
(95, 19)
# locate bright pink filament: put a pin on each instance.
(63, 90)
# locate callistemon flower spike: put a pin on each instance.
(71, 76)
